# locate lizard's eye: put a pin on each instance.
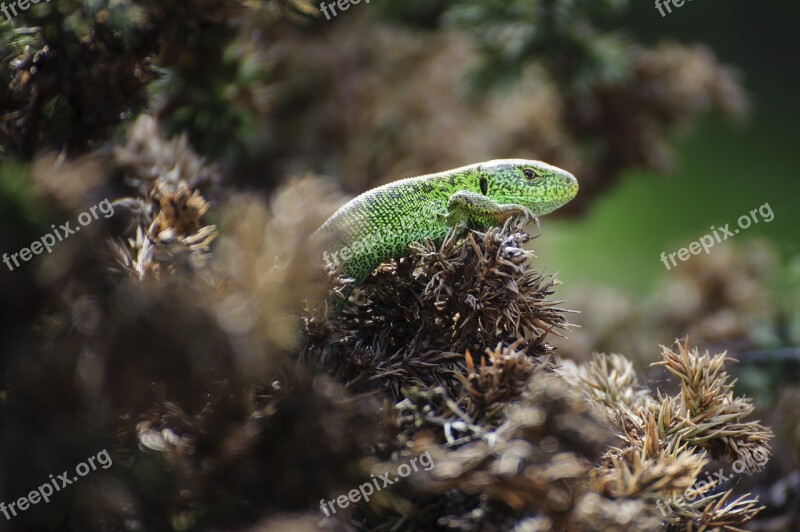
(530, 173)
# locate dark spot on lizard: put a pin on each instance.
(484, 186)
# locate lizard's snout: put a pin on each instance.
(571, 184)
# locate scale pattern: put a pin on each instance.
(381, 223)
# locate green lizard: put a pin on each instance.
(381, 223)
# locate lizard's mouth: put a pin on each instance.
(557, 201)
(543, 206)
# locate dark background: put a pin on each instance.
(723, 169)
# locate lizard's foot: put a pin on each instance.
(469, 206)
(524, 213)
(527, 217)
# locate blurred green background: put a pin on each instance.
(722, 170)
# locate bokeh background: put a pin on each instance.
(722, 169)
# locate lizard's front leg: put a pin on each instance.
(465, 208)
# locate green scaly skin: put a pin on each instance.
(381, 223)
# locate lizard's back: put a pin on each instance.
(381, 223)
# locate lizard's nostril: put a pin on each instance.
(571, 181)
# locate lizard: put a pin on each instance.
(380, 223)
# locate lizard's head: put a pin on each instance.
(540, 187)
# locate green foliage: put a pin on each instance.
(72, 72)
(558, 34)
(75, 70)
(217, 107)
(419, 13)
(18, 203)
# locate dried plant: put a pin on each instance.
(667, 442)
(184, 364)
(548, 460)
(166, 216)
(412, 319)
(189, 334)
